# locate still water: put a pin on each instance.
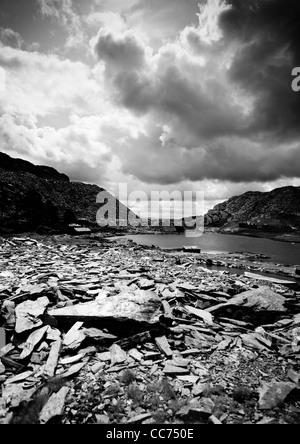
(280, 252)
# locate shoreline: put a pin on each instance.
(277, 237)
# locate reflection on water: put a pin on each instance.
(280, 252)
(2, 338)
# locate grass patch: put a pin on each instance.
(134, 393)
(167, 390)
(160, 417)
(242, 394)
(127, 377)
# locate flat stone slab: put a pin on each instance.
(261, 299)
(274, 394)
(28, 313)
(140, 306)
(285, 282)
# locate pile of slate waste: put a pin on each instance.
(104, 332)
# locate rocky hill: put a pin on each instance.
(275, 212)
(38, 196)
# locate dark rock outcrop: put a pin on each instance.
(276, 211)
(22, 166)
(37, 197)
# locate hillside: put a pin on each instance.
(276, 212)
(36, 196)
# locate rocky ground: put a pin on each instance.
(114, 333)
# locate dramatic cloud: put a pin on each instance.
(268, 33)
(179, 94)
(75, 150)
(212, 97)
(121, 52)
(38, 84)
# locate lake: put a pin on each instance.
(213, 243)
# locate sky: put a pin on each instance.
(163, 95)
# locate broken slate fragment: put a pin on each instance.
(274, 394)
(53, 334)
(164, 346)
(197, 409)
(202, 314)
(97, 367)
(28, 312)
(214, 420)
(135, 354)
(118, 356)
(186, 286)
(104, 357)
(95, 333)
(260, 299)
(259, 277)
(200, 388)
(73, 370)
(75, 336)
(33, 339)
(2, 368)
(189, 379)
(145, 284)
(72, 359)
(102, 419)
(139, 307)
(14, 394)
(53, 359)
(266, 421)
(293, 376)
(18, 378)
(173, 371)
(139, 418)
(6, 349)
(55, 405)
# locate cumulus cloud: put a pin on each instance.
(211, 97)
(41, 84)
(123, 51)
(108, 19)
(160, 21)
(11, 38)
(76, 150)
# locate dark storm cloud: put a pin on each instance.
(223, 89)
(123, 52)
(166, 83)
(268, 32)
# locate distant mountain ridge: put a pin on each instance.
(33, 196)
(275, 211)
(19, 165)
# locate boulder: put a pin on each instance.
(139, 310)
(260, 299)
(274, 394)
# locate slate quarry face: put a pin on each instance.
(129, 311)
